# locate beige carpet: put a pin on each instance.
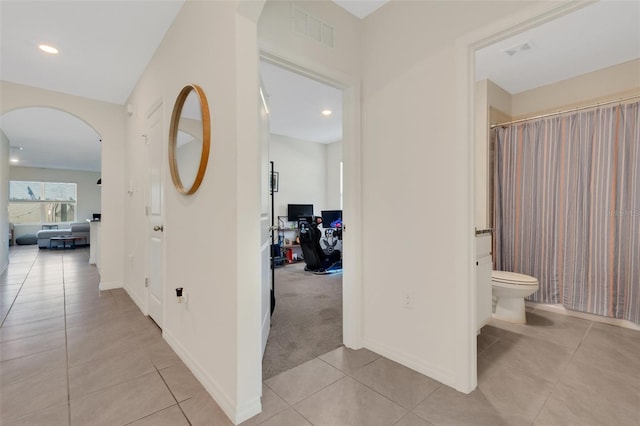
(307, 321)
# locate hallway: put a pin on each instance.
(72, 355)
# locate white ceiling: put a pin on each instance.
(296, 104)
(105, 46)
(597, 36)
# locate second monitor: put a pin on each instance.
(331, 218)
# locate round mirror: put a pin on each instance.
(189, 139)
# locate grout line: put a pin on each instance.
(19, 290)
(66, 340)
(172, 395)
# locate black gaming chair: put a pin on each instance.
(317, 260)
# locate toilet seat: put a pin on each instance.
(512, 279)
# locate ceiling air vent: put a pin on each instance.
(527, 45)
(311, 27)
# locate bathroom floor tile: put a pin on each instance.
(449, 407)
(527, 353)
(587, 408)
(516, 394)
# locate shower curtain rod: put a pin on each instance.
(628, 98)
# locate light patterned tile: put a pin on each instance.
(299, 382)
(181, 381)
(288, 417)
(25, 397)
(202, 410)
(53, 416)
(272, 404)
(397, 382)
(32, 345)
(31, 329)
(347, 402)
(31, 366)
(349, 360)
(128, 402)
(104, 372)
(412, 420)
(448, 407)
(171, 416)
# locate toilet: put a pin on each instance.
(509, 290)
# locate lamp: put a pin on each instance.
(99, 182)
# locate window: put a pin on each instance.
(341, 184)
(42, 202)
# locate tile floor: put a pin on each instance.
(71, 355)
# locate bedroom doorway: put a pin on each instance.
(311, 309)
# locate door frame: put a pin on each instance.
(465, 48)
(352, 184)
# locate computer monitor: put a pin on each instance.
(295, 211)
(332, 218)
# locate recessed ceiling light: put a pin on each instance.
(14, 160)
(48, 49)
(327, 112)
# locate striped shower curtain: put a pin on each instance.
(567, 208)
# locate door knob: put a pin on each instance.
(158, 228)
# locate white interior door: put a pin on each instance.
(155, 146)
(265, 220)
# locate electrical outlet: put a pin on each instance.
(407, 301)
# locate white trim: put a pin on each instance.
(446, 377)
(137, 300)
(352, 158)
(266, 328)
(559, 309)
(237, 414)
(110, 285)
(465, 48)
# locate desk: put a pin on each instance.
(61, 242)
(288, 252)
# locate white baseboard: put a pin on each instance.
(266, 327)
(237, 414)
(559, 309)
(443, 376)
(139, 302)
(110, 285)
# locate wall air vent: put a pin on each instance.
(527, 45)
(311, 27)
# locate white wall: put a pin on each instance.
(107, 120)
(413, 161)
(334, 158)
(212, 244)
(302, 169)
(607, 84)
(88, 193)
(4, 200)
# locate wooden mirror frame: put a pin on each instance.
(173, 138)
